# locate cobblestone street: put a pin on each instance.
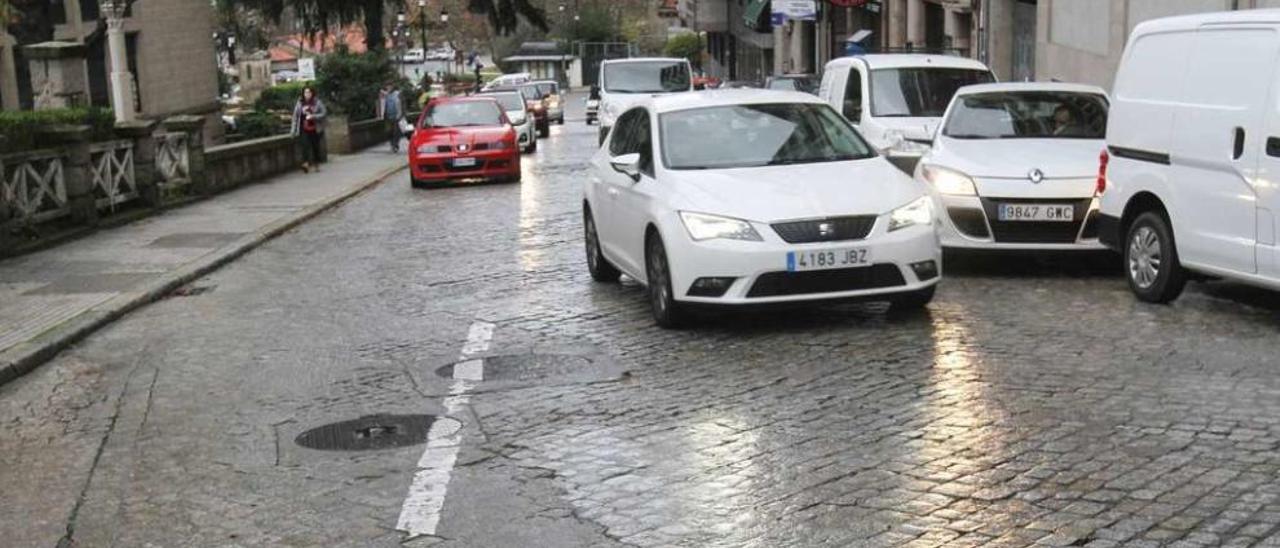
(1036, 402)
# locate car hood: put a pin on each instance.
(1015, 158)
(464, 135)
(767, 194)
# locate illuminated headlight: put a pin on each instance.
(709, 227)
(948, 181)
(919, 212)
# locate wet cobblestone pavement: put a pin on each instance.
(1034, 403)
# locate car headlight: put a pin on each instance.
(918, 212)
(948, 181)
(428, 149)
(708, 227)
(518, 121)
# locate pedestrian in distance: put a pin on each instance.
(390, 111)
(308, 125)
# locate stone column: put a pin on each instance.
(145, 175)
(915, 23)
(77, 171)
(193, 126)
(8, 72)
(59, 77)
(896, 22)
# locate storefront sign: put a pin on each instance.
(794, 10)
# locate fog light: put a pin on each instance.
(925, 270)
(710, 287)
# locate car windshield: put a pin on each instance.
(1028, 115)
(510, 101)
(647, 77)
(463, 113)
(919, 92)
(758, 135)
(807, 85)
(547, 88)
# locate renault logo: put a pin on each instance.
(826, 229)
(1036, 176)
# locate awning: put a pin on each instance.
(753, 11)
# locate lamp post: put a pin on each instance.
(422, 20)
(121, 80)
(399, 36)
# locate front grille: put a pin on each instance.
(832, 229)
(444, 149)
(774, 284)
(1035, 232)
(971, 222)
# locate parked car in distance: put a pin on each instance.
(538, 106)
(507, 81)
(414, 56)
(806, 83)
(734, 197)
(1014, 166)
(462, 139)
(550, 90)
(1192, 170)
(515, 106)
(593, 105)
(896, 100)
(624, 82)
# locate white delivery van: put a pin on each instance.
(625, 82)
(1190, 182)
(897, 100)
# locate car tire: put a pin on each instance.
(1151, 263)
(667, 313)
(914, 300)
(601, 269)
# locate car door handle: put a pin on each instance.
(1273, 147)
(1237, 149)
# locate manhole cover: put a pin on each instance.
(523, 367)
(368, 433)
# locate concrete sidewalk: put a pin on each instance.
(53, 298)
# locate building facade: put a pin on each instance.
(170, 52)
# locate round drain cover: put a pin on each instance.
(368, 433)
(523, 367)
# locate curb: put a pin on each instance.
(26, 356)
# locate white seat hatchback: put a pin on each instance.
(1015, 166)
(744, 197)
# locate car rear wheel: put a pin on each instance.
(600, 268)
(1151, 260)
(667, 313)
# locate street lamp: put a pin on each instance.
(399, 36)
(422, 16)
(121, 80)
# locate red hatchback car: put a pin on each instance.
(463, 138)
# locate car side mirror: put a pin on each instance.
(627, 164)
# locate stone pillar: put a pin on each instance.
(145, 175)
(896, 23)
(915, 23)
(8, 72)
(59, 77)
(337, 134)
(193, 126)
(77, 171)
(780, 49)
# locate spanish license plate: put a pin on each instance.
(827, 259)
(1060, 213)
(464, 162)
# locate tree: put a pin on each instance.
(317, 15)
(687, 45)
(504, 15)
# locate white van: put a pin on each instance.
(897, 100)
(625, 82)
(508, 81)
(1190, 181)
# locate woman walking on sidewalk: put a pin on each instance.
(308, 123)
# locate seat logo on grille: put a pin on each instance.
(464, 147)
(1036, 176)
(826, 229)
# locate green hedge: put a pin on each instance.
(280, 97)
(260, 123)
(19, 127)
(349, 83)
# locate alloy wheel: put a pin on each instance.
(1145, 257)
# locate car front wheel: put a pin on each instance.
(667, 313)
(601, 270)
(1151, 260)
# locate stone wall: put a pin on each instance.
(230, 166)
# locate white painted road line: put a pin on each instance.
(420, 513)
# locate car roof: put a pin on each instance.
(462, 99)
(900, 60)
(1186, 22)
(724, 97)
(544, 82)
(641, 60)
(1031, 86)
